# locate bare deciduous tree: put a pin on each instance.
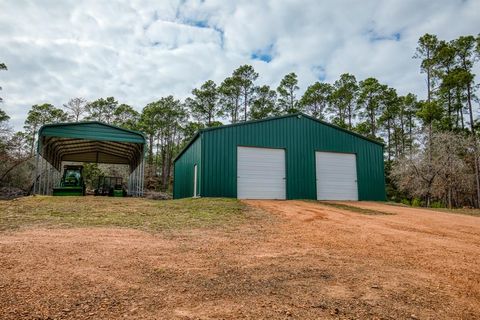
(76, 108)
(440, 171)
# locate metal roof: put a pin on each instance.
(90, 141)
(298, 114)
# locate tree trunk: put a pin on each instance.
(402, 133)
(457, 120)
(469, 102)
(450, 122)
(372, 123)
(237, 104)
(150, 149)
(291, 100)
(163, 172)
(245, 103)
(450, 197)
(156, 154)
(32, 147)
(429, 92)
(410, 136)
(349, 117)
(150, 154)
(430, 159)
(389, 144)
(168, 167)
(472, 126)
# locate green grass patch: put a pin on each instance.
(369, 212)
(150, 215)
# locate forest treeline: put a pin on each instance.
(431, 148)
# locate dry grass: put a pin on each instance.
(344, 206)
(150, 215)
(470, 212)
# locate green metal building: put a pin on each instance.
(287, 157)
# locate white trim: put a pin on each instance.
(195, 179)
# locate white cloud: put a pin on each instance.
(138, 51)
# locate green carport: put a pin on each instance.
(91, 142)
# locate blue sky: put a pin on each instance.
(139, 51)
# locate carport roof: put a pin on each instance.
(90, 141)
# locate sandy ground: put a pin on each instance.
(304, 260)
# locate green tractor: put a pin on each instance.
(72, 183)
(110, 186)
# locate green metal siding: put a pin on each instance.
(300, 136)
(183, 171)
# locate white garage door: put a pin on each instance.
(336, 176)
(260, 173)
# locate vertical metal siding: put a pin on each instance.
(183, 173)
(300, 137)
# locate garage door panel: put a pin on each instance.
(253, 171)
(335, 187)
(336, 175)
(260, 173)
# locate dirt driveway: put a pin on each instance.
(301, 260)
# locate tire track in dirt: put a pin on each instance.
(289, 260)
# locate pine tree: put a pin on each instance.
(287, 100)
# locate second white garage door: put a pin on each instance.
(336, 176)
(260, 173)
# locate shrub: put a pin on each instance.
(405, 201)
(437, 204)
(416, 202)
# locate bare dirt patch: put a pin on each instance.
(302, 261)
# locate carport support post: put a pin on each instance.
(40, 176)
(40, 167)
(132, 184)
(56, 179)
(45, 168)
(35, 182)
(48, 179)
(139, 179)
(137, 188)
(44, 178)
(135, 182)
(128, 184)
(142, 181)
